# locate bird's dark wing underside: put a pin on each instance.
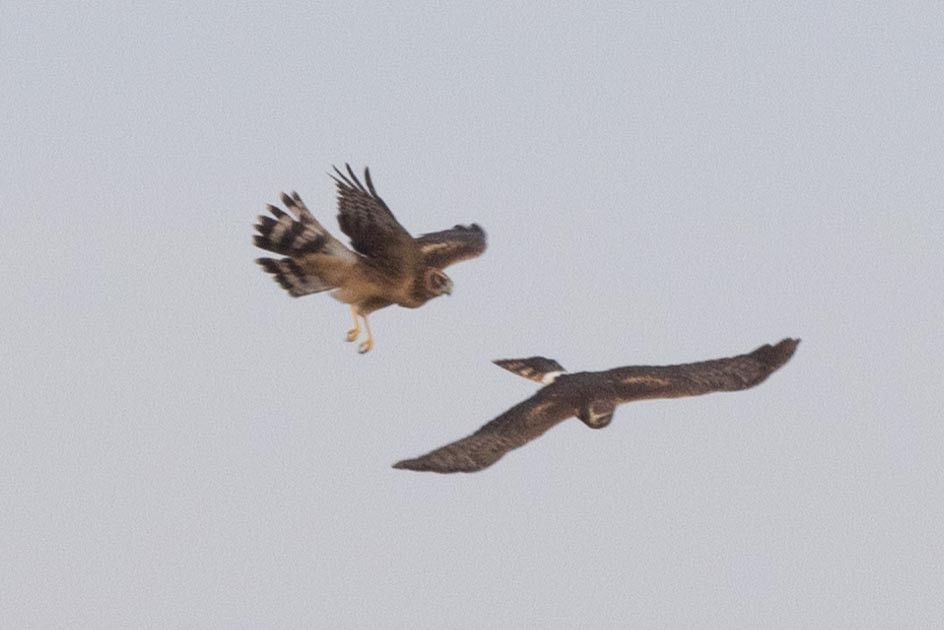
(693, 379)
(446, 247)
(516, 427)
(367, 221)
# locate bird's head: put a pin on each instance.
(596, 414)
(436, 282)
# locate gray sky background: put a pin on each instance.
(182, 444)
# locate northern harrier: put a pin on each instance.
(387, 266)
(593, 397)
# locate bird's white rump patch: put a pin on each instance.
(550, 377)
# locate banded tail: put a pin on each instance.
(539, 369)
(290, 235)
(295, 236)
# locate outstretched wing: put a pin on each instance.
(446, 247)
(693, 379)
(531, 418)
(367, 221)
(516, 427)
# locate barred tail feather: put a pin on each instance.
(290, 275)
(307, 246)
(540, 369)
(290, 234)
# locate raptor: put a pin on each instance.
(386, 266)
(593, 397)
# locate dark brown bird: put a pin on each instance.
(387, 266)
(593, 397)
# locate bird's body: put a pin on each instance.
(386, 266)
(593, 397)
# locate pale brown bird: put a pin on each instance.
(387, 266)
(592, 397)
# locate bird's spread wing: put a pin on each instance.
(516, 427)
(367, 221)
(446, 247)
(692, 379)
(531, 418)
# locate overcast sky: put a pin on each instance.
(183, 445)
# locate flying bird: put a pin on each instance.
(387, 265)
(592, 397)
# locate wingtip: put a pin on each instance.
(350, 171)
(337, 176)
(789, 343)
(350, 180)
(412, 464)
(416, 465)
(778, 354)
(370, 183)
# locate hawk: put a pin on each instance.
(592, 397)
(387, 265)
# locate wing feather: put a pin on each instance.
(693, 379)
(516, 427)
(447, 247)
(368, 222)
(553, 404)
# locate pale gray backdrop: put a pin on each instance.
(183, 445)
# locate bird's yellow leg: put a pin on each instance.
(369, 342)
(355, 332)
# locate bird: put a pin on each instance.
(593, 397)
(387, 265)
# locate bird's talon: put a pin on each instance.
(366, 346)
(352, 334)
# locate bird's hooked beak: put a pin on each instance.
(447, 288)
